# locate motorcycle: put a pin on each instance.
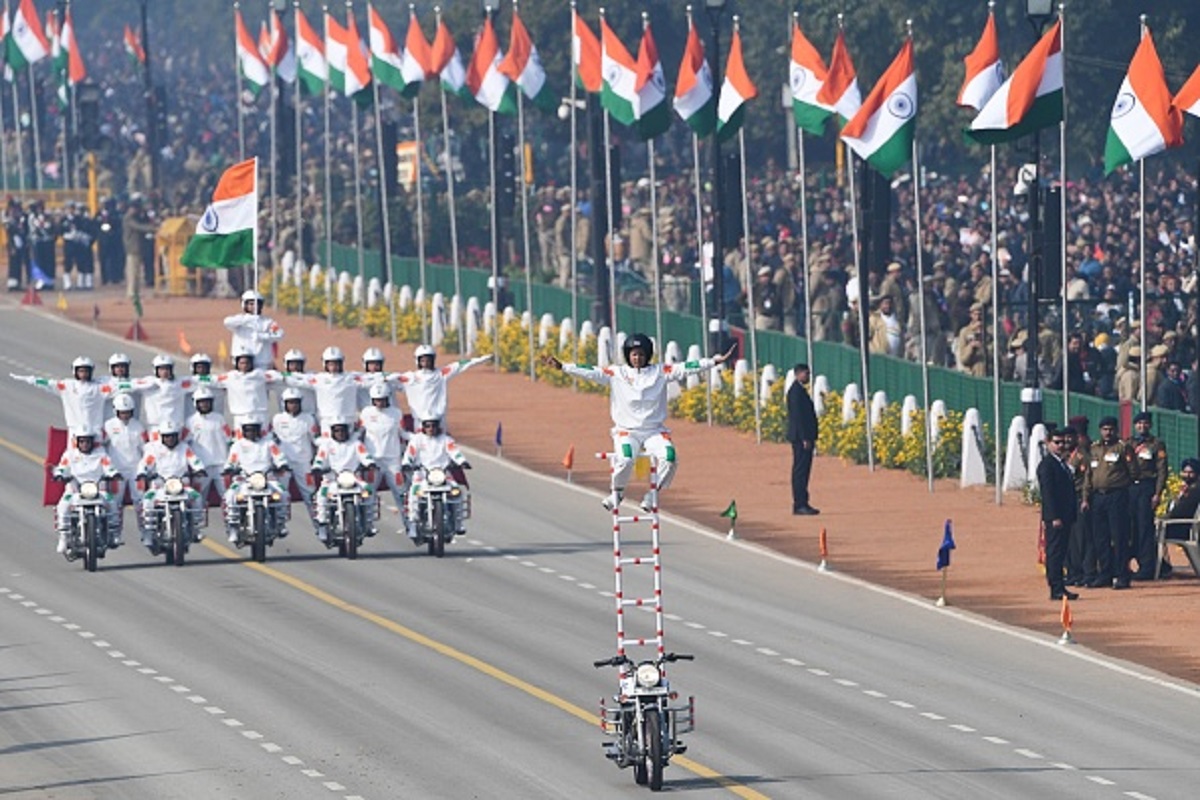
(354, 508)
(173, 521)
(442, 506)
(260, 515)
(644, 726)
(91, 526)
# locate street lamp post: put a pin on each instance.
(718, 324)
(1038, 12)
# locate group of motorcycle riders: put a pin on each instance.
(206, 425)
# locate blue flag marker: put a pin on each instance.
(943, 559)
(499, 435)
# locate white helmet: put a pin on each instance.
(379, 390)
(333, 354)
(118, 358)
(201, 358)
(163, 360)
(293, 355)
(424, 350)
(372, 354)
(168, 428)
(202, 393)
(123, 402)
(291, 393)
(249, 295)
(83, 361)
(242, 351)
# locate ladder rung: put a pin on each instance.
(641, 560)
(655, 640)
(637, 518)
(645, 602)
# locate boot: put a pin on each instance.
(613, 500)
(62, 543)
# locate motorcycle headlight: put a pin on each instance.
(89, 490)
(648, 675)
(346, 479)
(437, 477)
(173, 486)
(258, 481)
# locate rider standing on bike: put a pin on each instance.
(166, 457)
(296, 431)
(164, 395)
(202, 372)
(373, 374)
(429, 449)
(86, 461)
(425, 388)
(336, 389)
(638, 404)
(249, 454)
(209, 436)
(385, 437)
(252, 331)
(120, 379)
(126, 436)
(337, 453)
(83, 399)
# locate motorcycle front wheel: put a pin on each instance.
(350, 534)
(91, 533)
(182, 534)
(258, 542)
(437, 543)
(653, 736)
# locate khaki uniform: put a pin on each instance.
(1106, 489)
(1149, 473)
(972, 356)
(1129, 382)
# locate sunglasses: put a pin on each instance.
(1058, 441)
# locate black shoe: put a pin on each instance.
(1120, 583)
(806, 511)
(1165, 571)
(1064, 593)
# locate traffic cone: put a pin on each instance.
(824, 566)
(31, 297)
(136, 332)
(731, 513)
(1067, 621)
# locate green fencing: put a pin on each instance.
(839, 363)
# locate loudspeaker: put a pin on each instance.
(391, 162)
(614, 185)
(87, 106)
(506, 180)
(877, 219)
(732, 229)
(1049, 279)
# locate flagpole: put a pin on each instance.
(449, 167)
(3, 149)
(384, 221)
(916, 173)
(255, 229)
(610, 254)
(299, 180)
(1062, 232)
(237, 69)
(996, 432)
(425, 322)
(750, 280)
(704, 342)
(272, 178)
(658, 318)
(329, 295)
(495, 234)
(808, 322)
(1141, 257)
(528, 257)
(358, 221)
(863, 311)
(20, 136)
(33, 122)
(573, 250)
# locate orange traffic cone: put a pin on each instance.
(136, 332)
(31, 297)
(1067, 621)
(824, 565)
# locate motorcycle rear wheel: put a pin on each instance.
(180, 544)
(258, 530)
(437, 542)
(90, 537)
(351, 533)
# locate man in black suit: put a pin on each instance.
(1057, 486)
(802, 433)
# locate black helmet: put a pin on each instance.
(640, 341)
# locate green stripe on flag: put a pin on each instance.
(1046, 110)
(218, 252)
(1115, 153)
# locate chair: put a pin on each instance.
(1189, 542)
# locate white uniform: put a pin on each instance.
(638, 404)
(124, 442)
(426, 388)
(296, 435)
(210, 381)
(431, 452)
(120, 386)
(247, 457)
(336, 392)
(209, 437)
(165, 399)
(160, 462)
(246, 393)
(334, 457)
(83, 402)
(384, 436)
(369, 379)
(82, 467)
(255, 334)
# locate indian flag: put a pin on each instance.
(26, 43)
(523, 66)
(653, 113)
(807, 74)
(282, 56)
(76, 72)
(446, 62)
(58, 56)
(489, 86)
(985, 70)
(250, 63)
(348, 69)
(618, 72)
(133, 48)
(736, 91)
(414, 65)
(1188, 99)
(585, 54)
(385, 56)
(882, 130)
(840, 91)
(310, 56)
(8, 73)
(1031, 99)
(225, 235)
(1143, 120)
(694, 89)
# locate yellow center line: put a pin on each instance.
(441, 648)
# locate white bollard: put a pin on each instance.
(694, 353)
(907, 409)
(526, 319)
(1037, 451)
(545, 328)
(566, 332)
(765, 383)
(879, 402)
(406, 298)
(315, 274)
(850, 398)
(420, 297)
(358, 290)
(508, 316)
(937, 415)
(437, 320)
(974, 471)
(619, 347)
(717, 377)
(671, 353)
(1015, 475)
(587, 332)
(287, 263)
(344, 282)
(489, 318)
(473, 323)
(373, 292)
(740, 370)
(604, 349)
(388, 291)
(454, 320)
(820, 388)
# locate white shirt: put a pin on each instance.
(124, 441)
(426, 388)
(82, 401)
(295, 435)
(247, 393)
(638, 397)
(432, 451)
(337, 394)
(382, 428)
(209, 437)
(255, 333)
(168, 462)
(336, 456)
(93, 466)
(165, 399)
(260, 456)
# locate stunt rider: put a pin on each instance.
(202, 372)
(336, 389)
(164, 395)
(425, 388)
(86, 461)
(638, 404)
(166, 457)
(385, 437)
(249, 454)
(246, 388)
(430, 449)
(335, 453)
(209, 436)
(373, 374)
(126, 436)
(120, 378)
(253, 332)
(293, 363)
(83, 399)
(296, 431)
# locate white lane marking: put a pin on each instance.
(874, 693)
(1139, 796)
(932, 716)
(820, 673)
(1101, 780)
(995, 740)
(795, 662)
(845, 682)
(1028, 753)
(902, 704)
(718, 634)
(963, 728)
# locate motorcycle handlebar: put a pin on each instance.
(615, 661)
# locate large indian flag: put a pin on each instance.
(489, 86)
(736, 91)
(1031, 99)
(27, 43)
(414, 64)
(806, 75)
(253, 68)
(524, 67)
(225, 236)
(882, 130)
(585, 54)
(619, 75)
(694, 90)
(1143, 120)
(985, 70)
(446, 62)
(310, 55)
(840, 90)
(386, 62)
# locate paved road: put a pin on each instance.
(402, 676)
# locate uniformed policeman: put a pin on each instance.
(1106, 489)
(1149, 473)
(1081, 556)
